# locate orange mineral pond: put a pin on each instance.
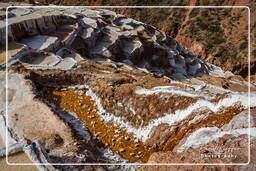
(113, 137)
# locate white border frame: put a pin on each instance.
(132, 164)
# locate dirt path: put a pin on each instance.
(2, 143)
(17, 158)
(192, 3)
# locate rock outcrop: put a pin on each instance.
(218, 36)
(104, 35)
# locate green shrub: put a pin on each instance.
(226, 12)
(204, 13)
(194, 12)
(209, 47)
(215, 28)
(202, 25)
(253, 53)
(175, 26)
(218, 40)
(222, 52)
(193, 29)
(243, 45)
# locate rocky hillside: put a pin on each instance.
(218, 36)
(94, 86)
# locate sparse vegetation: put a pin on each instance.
(243, 45)
(194, 13)
(202, 25)
(253, 53)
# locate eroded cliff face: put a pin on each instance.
(218, 36)
(94, 86)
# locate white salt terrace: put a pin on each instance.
(65, 33)
(87, 33)
(205, 135)
(103, 40)
(131, 47)
(66, 64)
(43, 60)
(101, 49)
(127, 23)
(105, 12)
(170, 90)
(41, 42)
(21, 11)
(88, 22)
(68, 53)
(40, 59)
(204, 86)
(171, 118)
(91, 13)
